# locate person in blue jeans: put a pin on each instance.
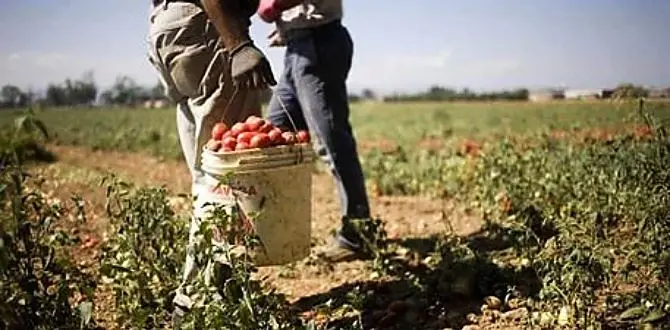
(312, 90)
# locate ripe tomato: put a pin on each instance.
(252, 118)
(289, 137)
(245, 137)
(213, 145)
(239, 128)
(303, 136)
(254, 123)
(218, 130)
(275, 136)
(242, 146)
(229, 143)
(260, 140)
(266, 127)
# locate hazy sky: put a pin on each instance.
(399, 45)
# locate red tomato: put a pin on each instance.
(254, 123)
(213, 145)
(266, 127)
(289, 137)
(239, 128)
(275, 136)
(242, 146)
(303, 136)
(229, 143)
(252, 118)
(245, 137)
(218, 130)
(260, 140)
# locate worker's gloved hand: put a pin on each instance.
(269, 10)
(249, 68)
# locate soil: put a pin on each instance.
(78, 170)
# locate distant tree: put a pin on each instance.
(125, 91)
(84, 90)
(73, 92)
(56, 95)
(157, 92)
(13, 97)
(368, 94)
(628, 90)
(439, 93)
(353, 98)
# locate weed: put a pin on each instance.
(144, 256)
(40, 286)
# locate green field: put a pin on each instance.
(154, 130)
(572, 198)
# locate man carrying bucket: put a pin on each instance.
(211, 68)
(312, 89)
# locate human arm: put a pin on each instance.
(228, 19)
(248, 65)
(270, 10)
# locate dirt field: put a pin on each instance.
(457, 208)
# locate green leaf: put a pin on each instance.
(85, 313)
(654, 316)
(41, 127)
(633, 313)
(20, 123)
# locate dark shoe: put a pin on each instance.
(337, 251)
(357, 239)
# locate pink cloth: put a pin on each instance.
(268, 10)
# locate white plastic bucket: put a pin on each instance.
(274, 183)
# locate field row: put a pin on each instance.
(574, 199)
(154, 130)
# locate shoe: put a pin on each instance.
(357, 239)
(337, 251)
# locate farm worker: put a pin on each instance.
(213, 71)
(312, 88)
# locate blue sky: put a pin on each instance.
(481, 44)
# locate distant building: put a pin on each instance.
(545, 95)
(588, 94)
(155, 104)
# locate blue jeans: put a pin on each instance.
(313, 91)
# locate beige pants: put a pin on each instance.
(185, 50)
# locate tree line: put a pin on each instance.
(439, 93)
(127, 92)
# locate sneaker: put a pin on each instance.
(358, 239)
(337, 251)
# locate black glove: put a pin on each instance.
(249, 68)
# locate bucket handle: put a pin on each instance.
(239, 95)
(299, 155)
